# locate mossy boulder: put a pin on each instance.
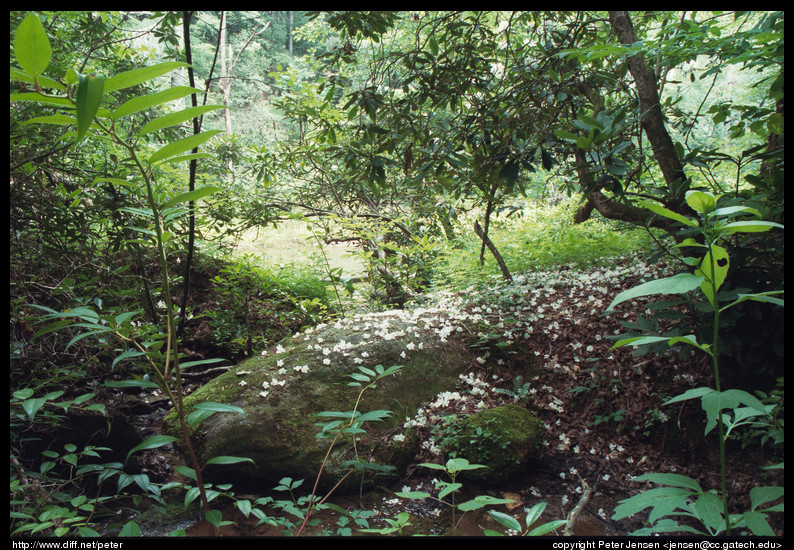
(283, 391)
(503, 438)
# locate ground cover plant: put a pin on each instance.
(595, 198)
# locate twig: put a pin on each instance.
(574, 515)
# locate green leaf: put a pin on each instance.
(719, 256)
(229, 460)
(460, 464)
(701, 201)
(60, 120)
(89, 94)
(677, 284)
(181, 145)
(178, 117)
(449, 488)
(481, 501)
(760, 297)
(130, 384)
(142, 103)
(749, 227)
(32, 406)
(508, 521)
(218, 407)
(762, 495)
(709, 510)
(138, 76)
(671, 480)
(194, 195)
(152, 443)
(244, 506)
(546, 527)
(662, 211)
(23, 394)
(416, 495)
(130, 529)
(31, 46)
(756, 522)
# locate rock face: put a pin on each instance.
(282, 392)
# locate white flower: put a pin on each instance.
(280, 349)
(280, 363)
(326, 361)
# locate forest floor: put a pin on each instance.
(602, 409)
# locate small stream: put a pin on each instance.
(427, 517)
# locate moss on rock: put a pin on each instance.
(503, 438)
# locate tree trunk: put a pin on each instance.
(290, 16)
(655, 130)
(652, 117)
(225, 81)
(487, 242)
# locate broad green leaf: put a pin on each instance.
(640, 341)
(700, 201)
(416, 495)
(547, 527)
(32, 406)
(729, 210)
(215, 517)
(663, 498)
(694, 393)
(709, 511)
(131, 384)
(244, 506)
(762, 495)
(197, 417)
(130, 529)
(42, 99)
(194, 195)
(749, 227)
(61, 120)
(228, 460)
(187, 472)
(31, 46)
(138, 76)
(141, 103)
(177, 117)
(89, 94)
(667, 213)
(719, 256)
(432, 466)
(760, 297)
(756, 522)
(449, 488)
(508, 521)
(43, 82)
(23, 394)
(461, 464)
(218, 407)
(481, 501)
(152, 443)
(671, 480)
(677, 284)
(181, 145)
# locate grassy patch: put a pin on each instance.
(540, 239)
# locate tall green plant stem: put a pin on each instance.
(171, 336)
(715, 367)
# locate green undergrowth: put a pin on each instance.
(540, 238)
